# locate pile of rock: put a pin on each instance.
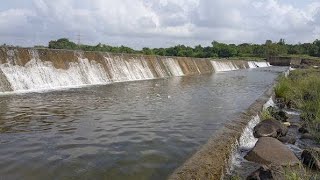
(271, 151)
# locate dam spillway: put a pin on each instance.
(26, 69)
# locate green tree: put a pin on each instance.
(62, 43)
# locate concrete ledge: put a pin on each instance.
(212, 160)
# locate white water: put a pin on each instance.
(262, 64)
(174, 67)
(246, 142)
(224, 66)
(268, 104)
(38, 74)
(253, 64)
(121, 70)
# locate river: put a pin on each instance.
(129, 130)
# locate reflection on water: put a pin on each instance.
(136, 130)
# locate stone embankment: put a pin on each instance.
(273, 153)
(294, 62)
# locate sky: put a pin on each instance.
(158, 23)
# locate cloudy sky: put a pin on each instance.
(158, 23)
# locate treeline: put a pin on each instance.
(216, 49)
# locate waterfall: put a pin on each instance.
(253, 64)
(247, 140)
(37, 74)
(220, 66)
(174, 67)
(23, 69)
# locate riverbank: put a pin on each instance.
(268, 141)
(288, 135)
(301, 90)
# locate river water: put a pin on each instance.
(131, 130)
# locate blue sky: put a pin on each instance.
(158, 23)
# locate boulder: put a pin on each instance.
(270, 128)
(291, 136)
(266, 173)
(303, 130)
(311, 158)
(287, 139)
(271, 151)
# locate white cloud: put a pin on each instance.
(158, 23)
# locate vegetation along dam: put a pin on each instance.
(53, 125)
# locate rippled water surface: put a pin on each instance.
(135, 130)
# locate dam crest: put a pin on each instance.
(27, 69)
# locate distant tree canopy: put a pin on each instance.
(63, 43)
(216, 49)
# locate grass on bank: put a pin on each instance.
(265, 114)
(301, 90)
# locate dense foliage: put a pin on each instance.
(216, 49)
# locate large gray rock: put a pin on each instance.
(271, 151)
(287, 139)
(311, 158)
(290, 137)
(270, 128)
(267, 173)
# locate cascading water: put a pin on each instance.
(34, 70)
(38, 74)
(220, 66)
(246, 142)
(174, 67)
(262, 64)
(253, 64)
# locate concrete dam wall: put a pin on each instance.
(27, 69)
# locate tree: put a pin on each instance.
(282, 42)
(147, 51)
(62, 43)
(224, 50)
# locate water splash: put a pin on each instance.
(247, 140)
(245, 143)
(269, 103)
